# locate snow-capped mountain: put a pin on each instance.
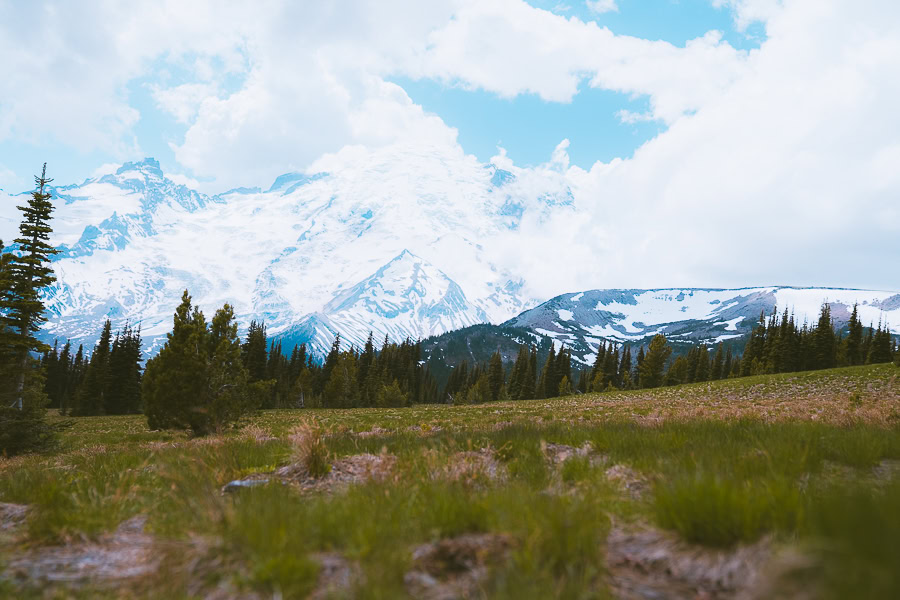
(391, 242)
(582, 320)
(407, 297)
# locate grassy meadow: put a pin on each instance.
(773, 486)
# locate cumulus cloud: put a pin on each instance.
(780, 162)
(510, 48)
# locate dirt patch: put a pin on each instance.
(124, 555)
(645, 563)
(358, 468)
(637, 485)
(455, 567)
(257, 434)
(471, 467)
(374, 432)
(425, 429)
(886, 471)
(336, 576)
(557, 454)
(12, 515)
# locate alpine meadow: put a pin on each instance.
(450, 300)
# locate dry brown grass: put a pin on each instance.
(310, 452)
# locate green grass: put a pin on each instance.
(729, 475)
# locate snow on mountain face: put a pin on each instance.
(391, 241)
(407, 297)
(581, 321)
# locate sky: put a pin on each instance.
(708, 142)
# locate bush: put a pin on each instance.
(23, 431)
(391, 396)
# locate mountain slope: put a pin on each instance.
(407, 297)
(309, 253)
(582, 320)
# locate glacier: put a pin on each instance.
(391, 243)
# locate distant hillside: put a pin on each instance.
(582, 320)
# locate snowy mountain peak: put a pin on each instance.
(149, 166)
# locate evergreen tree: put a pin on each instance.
(854, 339)
(678, 371)
(637, 367)
(547, 386)
(341, 388)
(754, 350)
(824, 346)
(702, 372)
(123, 395)
(253, 352)
(228, 394)
(611, 367)
(563, 367)
(718, 363)
(26, 274)
(495, 375)
(90, 398)
(625, 368)
(597, 371)
(654, 363)
(198, 380)
(728, 366)
(880, 348)
(527, 390)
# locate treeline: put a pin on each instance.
(778, 345)
(392, 376)
(107, 383)
(396, 375)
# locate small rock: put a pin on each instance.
(243, 484)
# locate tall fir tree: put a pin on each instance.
(29, 272)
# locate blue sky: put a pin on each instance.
(527, 126)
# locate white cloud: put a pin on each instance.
(511, 48)
(105, 169)
(183, 101)
(749, 11)
(778, 163)
(9, 180)
(185, 180)
(602, 6)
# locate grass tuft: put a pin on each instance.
(310, 449)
